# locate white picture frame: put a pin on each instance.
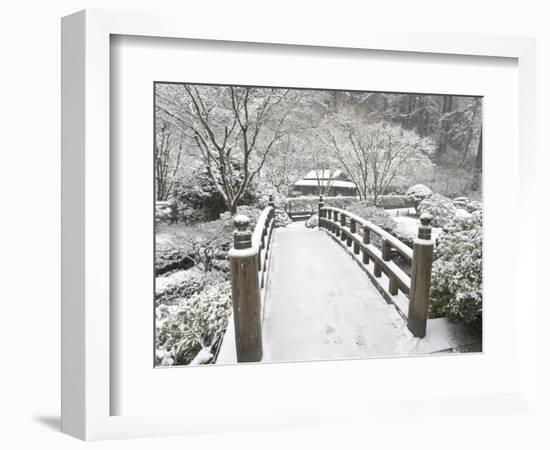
(86, 324)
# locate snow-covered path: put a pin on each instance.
(320, 305)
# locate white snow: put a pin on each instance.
(462, 214)
(164, 283)
(203, 357)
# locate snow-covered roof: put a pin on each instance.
(322, 174)
(331, 183)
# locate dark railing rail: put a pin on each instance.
(261, 239)
(355, 233)
(248, 260)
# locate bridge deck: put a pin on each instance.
(320, 305)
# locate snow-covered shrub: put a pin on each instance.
(373, 214)
(252, 212)
(442, 209)
(460, 202)
(184, 283)
(393, 201)
(417, 193)
(192, 324)
(311, 202)
(281, 218)
(461, 213)
(302, 204)
(281, 204)
(405, 233)
(473, 206)
(456, 289)
(280, 200)
(342, 202)
(313, 221)
(198, 200)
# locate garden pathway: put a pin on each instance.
(320, 305)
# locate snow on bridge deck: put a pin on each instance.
(320, 305)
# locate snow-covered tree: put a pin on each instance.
(374, 154)
(285, 165)
(229, 124)
(168, 152)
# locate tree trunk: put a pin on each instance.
(479, 156)
(476, 183)
(447, 106)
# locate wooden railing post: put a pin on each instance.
(336, 228)
(421, 274)
(245, 293)
(355, 243)
(386, 256)
(366, 240)
(377, 269)
(319, 210)
(271, 202)
(351, 230)
(343, 223)
(271, 216)
(386, 250)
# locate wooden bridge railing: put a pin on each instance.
(248, 261)
(354, 232)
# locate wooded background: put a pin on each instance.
(385, 142)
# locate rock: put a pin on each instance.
(203, 357)
(169, 259)
(164, 212)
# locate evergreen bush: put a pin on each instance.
(192, 324)
(456, 288)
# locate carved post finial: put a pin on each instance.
(425, 229)
(242, 236)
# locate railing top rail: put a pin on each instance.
(260, 225)
(402, 248)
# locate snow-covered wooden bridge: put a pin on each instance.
(332, 292)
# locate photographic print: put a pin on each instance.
(296, 224)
